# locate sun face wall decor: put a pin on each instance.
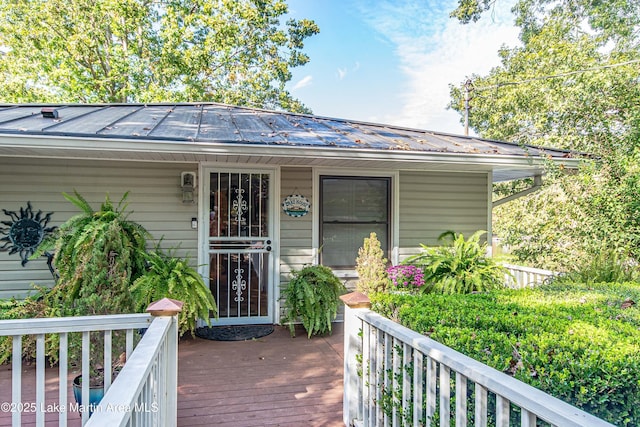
(24, 232)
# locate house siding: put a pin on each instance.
(296, 233)
(434, 202)
(154, 201)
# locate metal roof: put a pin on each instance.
(208, 125)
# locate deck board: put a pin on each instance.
(271, 381)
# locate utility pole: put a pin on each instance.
(468, 88)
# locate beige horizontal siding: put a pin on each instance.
(296, 233)
(155, 201)
(434, 202)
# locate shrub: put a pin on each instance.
(459, 267)
(371, 267)
(607, 266)
(579, 343)
(312, 296)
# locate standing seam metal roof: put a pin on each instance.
(219, 123)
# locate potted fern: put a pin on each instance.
(172, 277)
(312, 296)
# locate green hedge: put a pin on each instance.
(575, 342)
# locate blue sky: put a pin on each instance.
(391, 61)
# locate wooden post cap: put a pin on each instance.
(356, 300)
(165, 307)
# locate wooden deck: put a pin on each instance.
(271, 381)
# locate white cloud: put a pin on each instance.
(342, 72)
(435, 51)
(303, 82)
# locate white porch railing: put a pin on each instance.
(523, 277)
(143, 393)
(394, 376)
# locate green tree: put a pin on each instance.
(237, 52)
(572, 83)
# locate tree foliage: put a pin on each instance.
(572, 83)
(237, 52)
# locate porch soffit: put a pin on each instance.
(221, 133)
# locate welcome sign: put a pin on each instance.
(296, 205)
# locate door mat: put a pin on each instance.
(234, 333)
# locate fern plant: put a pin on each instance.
(98, 254)
(312, 296)
(460, 266)
(172, 277)
(371, 266)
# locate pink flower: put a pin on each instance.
(407, 276)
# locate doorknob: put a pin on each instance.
(268, 248)
(268, 242)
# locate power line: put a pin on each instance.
(555, 76)
(469, 87)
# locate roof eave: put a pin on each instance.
(102, 146)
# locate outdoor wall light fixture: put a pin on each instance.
(188, 185)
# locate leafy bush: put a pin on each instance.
(171, 277)
(459, 267)
(579, 343)
(605, 267)
(371, 267)
(312, 296)
(42, 303)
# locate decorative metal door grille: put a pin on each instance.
(239, 245)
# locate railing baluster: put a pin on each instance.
(86, 349)
(372, 374)
(418, 393)
(461, 400)
(445, 395)
(502, 411)
(129, 344)
(380, 338)
(407, 356)
(432, 377)
(366, 364)
(481, 406)
(63, 364)
(40, 365)
(16, 380)
(527, 419)
(108, 369)
(388, 370)
(395, 419)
